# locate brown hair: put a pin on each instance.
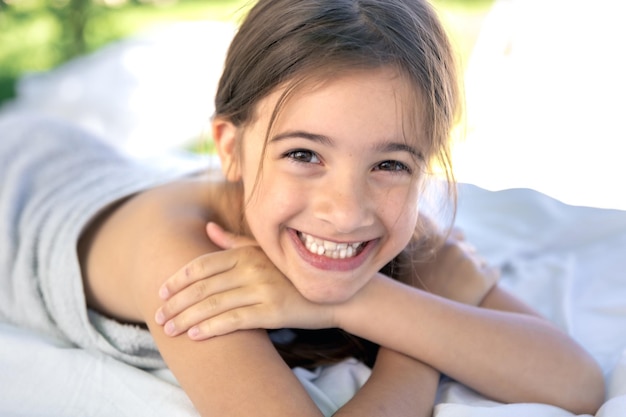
(286, 42)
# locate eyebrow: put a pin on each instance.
(304, 135)
(400, 147)
(387, 146)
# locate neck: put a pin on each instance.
(233, 209)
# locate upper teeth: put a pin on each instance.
(329, 249)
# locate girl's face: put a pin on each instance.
(337, 195)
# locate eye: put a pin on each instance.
(393, 166)
(304, 156)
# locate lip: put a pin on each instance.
(329, 264)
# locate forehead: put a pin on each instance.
(381, 98)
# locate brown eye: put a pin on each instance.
(303, 155)
(392, 166)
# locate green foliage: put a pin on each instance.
(37, 35)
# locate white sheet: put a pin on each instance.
(569, 262)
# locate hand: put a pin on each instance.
(455, 271)
(233, 289)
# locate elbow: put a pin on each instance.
(589, 402)
(596, 397)
(588, 394)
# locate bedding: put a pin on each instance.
(55, 178)
(566, 261)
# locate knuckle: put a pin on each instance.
(200, 290)
(173, 307)
(168, 308)
(193, 270)
(189, 272)
(235, 318)
(213, 303)
(208, 307)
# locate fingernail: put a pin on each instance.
(169, 328)
(164, 293)
(194, 332)
(159, 317)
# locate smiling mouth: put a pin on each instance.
(330, 249)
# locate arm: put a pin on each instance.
(398, 386)
(508, 356)
(455, 272)
(128, 254)
(500, 353)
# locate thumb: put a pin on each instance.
(227, 240)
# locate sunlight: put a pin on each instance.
(546, 102)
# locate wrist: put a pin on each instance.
(360, 307)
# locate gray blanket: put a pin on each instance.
(54, 179)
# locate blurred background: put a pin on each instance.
(37, 35)
(544, 81)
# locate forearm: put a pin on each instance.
(507, 356)
(399, 386)
(239, 374)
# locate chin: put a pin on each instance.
(326, 296)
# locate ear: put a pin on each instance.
(225, 136)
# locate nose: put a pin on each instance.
(345, 203)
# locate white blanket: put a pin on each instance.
(568, 262)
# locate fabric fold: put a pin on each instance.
(50, 192)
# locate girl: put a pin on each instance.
(329, 115)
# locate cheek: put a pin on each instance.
(402, 212)
(273, 196)
(269, 205)
(401, 207)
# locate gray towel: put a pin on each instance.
(54, 178)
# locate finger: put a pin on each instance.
(200, 268)
(211, 307)
(243, 318)
(227, 240)
(195, 293)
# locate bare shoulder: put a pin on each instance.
(500, 299)
(133, 248)
(146, 237)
